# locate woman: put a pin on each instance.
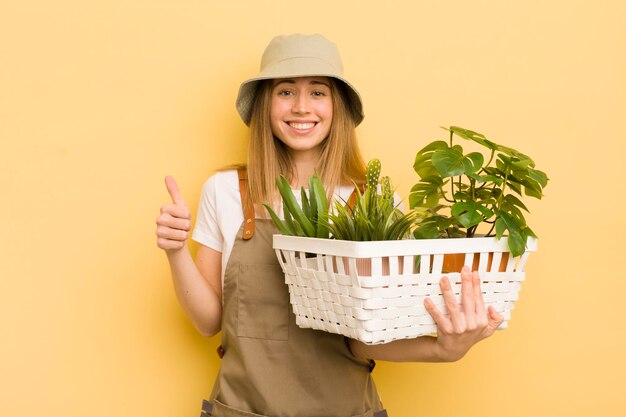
(302, 115)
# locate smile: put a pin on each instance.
(302, 126)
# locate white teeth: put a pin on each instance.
(302, 126)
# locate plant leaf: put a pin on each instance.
(294, 208)
(278, 222)
(467, 213)
(473, 162)
(473, 136)
(449, 162)
(316, 188)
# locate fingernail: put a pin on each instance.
(465, 268)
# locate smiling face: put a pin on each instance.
(301, 114)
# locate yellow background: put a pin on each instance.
(100, 100)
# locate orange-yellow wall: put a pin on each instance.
(100, 100)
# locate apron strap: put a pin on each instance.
(352, 198)
(246, 204)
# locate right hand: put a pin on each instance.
(174, 223)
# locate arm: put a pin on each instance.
(466, 325)
(198, 285)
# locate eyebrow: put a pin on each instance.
(293, 81)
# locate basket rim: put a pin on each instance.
(404, 247)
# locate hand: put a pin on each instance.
(467, 323)
(174, 223)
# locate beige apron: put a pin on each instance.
(270, 366)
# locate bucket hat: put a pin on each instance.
(298, 56)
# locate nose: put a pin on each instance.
(300, 104)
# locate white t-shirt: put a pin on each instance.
(220, 213)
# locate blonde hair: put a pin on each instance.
(340, 161)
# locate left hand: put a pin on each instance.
(467, 323)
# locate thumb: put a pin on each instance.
(172, 189)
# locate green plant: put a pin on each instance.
(308, 220)
(374, 215)
(476, 193)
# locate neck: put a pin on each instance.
(305, 166)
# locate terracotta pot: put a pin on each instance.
(453, 262)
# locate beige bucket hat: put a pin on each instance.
(298, 56)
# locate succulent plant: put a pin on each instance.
(308, 220)
(374, 216)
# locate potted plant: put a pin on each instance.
(373, 216)
(475, 194)
(322, 252)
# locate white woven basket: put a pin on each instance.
(374, 291)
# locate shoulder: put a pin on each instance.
(223, 181)
(220, 192)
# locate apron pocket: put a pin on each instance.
(263, 307)
(217, 409)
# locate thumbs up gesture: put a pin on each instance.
(174, 222)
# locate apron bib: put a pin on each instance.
(270, 366)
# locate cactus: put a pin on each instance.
(374, 216)
(372, 173)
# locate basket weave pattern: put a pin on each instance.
(374, 291)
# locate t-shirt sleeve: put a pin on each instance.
(207, 230)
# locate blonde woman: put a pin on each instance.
(302, 115)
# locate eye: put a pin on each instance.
(284, 92)
(319, 93)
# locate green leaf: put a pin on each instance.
(467, 213)
(538, 176)
(305, 203)
(473, 136)
(449, 162)
(433, 146)
(487, 178)
(531, 188)
(426, 193)
(296, 231)
(517, 238)
(473, 162)
(522, 164)
(514, 201)
(423, 160)
(294, 208)
(316, 188)
(432, 227)
(500, 228)
(278, 222)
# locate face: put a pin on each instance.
(301, 113)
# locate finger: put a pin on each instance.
(167, 220)
(167, 244)
(178, 211)
(478, 294)
(495, 319)
(456, 317)
(443, 323)
(172, 189)
(168, 233)
(467, 291)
